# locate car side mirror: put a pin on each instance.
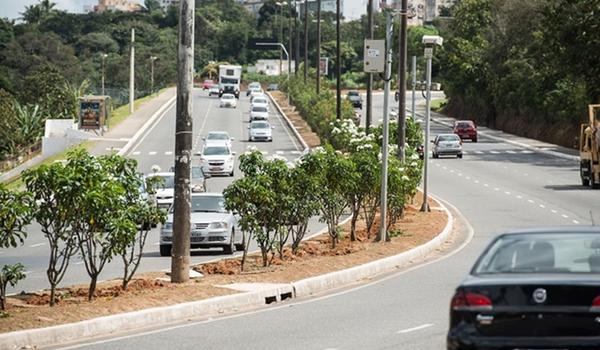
(204, 139)
(198, 153)
(273, 127)
(232, 139)
(234, 153)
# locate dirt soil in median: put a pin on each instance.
(315, 257)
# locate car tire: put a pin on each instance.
(165, 250)
(232, 173)
(474, 139)
(230, 249)
(459, 156)
(435, 155)
(584, 174)
(240, 247)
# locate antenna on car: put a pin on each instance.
(592, 218)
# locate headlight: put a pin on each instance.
(230, 159)
(168, 226)
(219, 225)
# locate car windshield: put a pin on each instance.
(208, 204)
(259, 109)
(168, 181)
(197, 172)
(448, 138)
(259, 101)
(259, 125)
(542, 252)
(228, 80)
(217, 136)
(463, 125)
(216, 151)
(353, 93)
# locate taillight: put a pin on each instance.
(596, 303)
(473, 301)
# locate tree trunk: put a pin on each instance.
(52, 294)
(126, 277)
(2, 296)
(355, 213)
(92, 287)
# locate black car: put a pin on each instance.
(355, 98)
(531, 289)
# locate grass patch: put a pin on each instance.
(438, 104)
(118, 115)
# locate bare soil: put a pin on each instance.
(314, 258)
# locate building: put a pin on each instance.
(271, 66)
(326, 5)
(420, 11)
(165, 4)
(117, 5)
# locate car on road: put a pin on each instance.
(165, 191)
(260, 101)
(531, 289)
(255, 94)
(218, 137)
(259, 113)
(207, 84)
(214, 90)
(354, 98)
(253, 87)
(217, 159)
(260, 130)
(228, 100)
(273, 87)
(447, 145)
(199, 176)
(212, 226)
(465, 129)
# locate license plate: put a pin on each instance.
(196, 234)
(216, 168)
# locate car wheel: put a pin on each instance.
(232, 173)
(474, 140)
(242, 245)
(165, 250)
(229, 249)
(585, 179)
(435, 155)
(459, 156)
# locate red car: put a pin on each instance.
(207, 84)
(465, 129)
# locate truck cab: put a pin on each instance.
(229, 80)
(589, 149)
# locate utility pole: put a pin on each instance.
(339, 62)
(180, 255)
(152, 59)
(386, 122)
(414, 85)
(132, 72)
(280, 39)
(402, 81)
(290, 33)
(297, 30)
(103, 56)
(305, 40)
(318, 47)
(369, 75)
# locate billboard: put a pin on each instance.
(324, 65)
(92, 112)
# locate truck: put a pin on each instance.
(229, 80)
(589, 151)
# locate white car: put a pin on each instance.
(259, 113)
(260, 130)
(214, 90)
(260, 101)
(218, 137)
(165, 192)
(255, 94)
(447, 145)
(254, 86)
(228, 100)
(217, 159)
(212, 226)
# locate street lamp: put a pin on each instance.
(103, 57)
(152, 59)
(280, 36)
(430, 41)
(318, 47)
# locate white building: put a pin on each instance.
(271, 67)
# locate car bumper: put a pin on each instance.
(448, 151)
(510, 343)
(260, 138)
(229, 105)
(201, 239)
(467, 135)
(219, 169)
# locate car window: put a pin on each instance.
(259, 109)
(448, 138)
(259, 100)
(259, 125)
(218, 136)
(353, 93)
(169, 181)
(208, 204)
(197, 172)
(545, 253)
(215, 151)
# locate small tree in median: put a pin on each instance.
(55, 193)
(15, 214)
(10, 274)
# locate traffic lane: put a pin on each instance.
(546, 182)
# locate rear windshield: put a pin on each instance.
(259, 125)
(463, 125)
(542, 253)
(259, 109)
(448, 138)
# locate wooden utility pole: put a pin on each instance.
(305, 40)
(180, 255)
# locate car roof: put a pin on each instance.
(218, 132)
(162, 174)
(453, 135)
(207, 194)
(554, 229)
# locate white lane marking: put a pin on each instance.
(444, 168)
(279, 152)
(28, 272)
(526, 174)
(152, 153)
(531, 201)
(116, 149)
(519, 196)
(486, 185)
(479, 152)
(408, 330)
(136, 153)
(468, 177)
(203, 125)
(575, 222)
(298, 152)
(565, 216)
(168, 153)
(451, 171)
(510, 152)
(526, 152)
(542, 206)
(494, 152)
(36, 245)
(459, 174)
(79, 263)
(285, 127)
(476, 181)
(553, 211)
(264, 152)
(506, 192)
(496, 189)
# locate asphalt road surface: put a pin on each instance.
(496, 186)
(156, 147)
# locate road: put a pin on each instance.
(496, 186)
(156, 148)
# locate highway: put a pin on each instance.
(496, 187)
(156, 147)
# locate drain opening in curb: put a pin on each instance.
(269, 300)
(287, 295)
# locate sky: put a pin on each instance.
(11, 8)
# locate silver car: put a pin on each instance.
(259, 113)
(212, 226)
(447, 145)
(260, 130)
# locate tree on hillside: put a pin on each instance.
(34, 14)
(47, 88)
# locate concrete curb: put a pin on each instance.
(515, 143)
(319, 284)
(288, 122)
(127, 148)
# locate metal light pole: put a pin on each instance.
(384, 152)
(305, 41)
(339, 62)
(103, 56)
(296, 29)
(132, 73)
(402, 81)
(152, 59)
(369, 75)
(318, 47)
(290, 33)
(430, 41)
(280, 37)
(414, 85)
(180, 254)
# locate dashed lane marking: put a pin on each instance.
(36, 245)
(152, 153)
(408, 330)
(136, 153)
